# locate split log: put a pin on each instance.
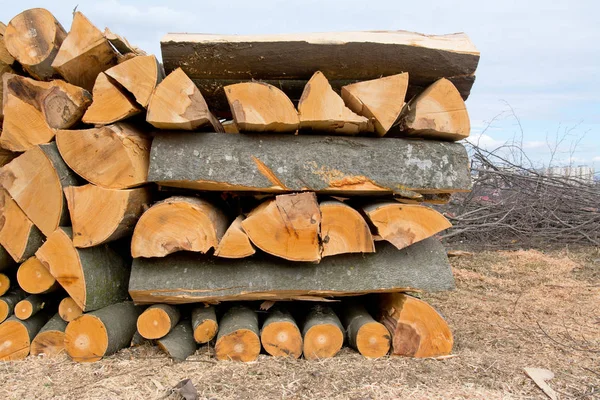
(35, 180)
(204, 323)
(439, 113)
(50, 340)
(379, 99)
(322, 109)
(235, 242)
(102, 332)
(367, 336)
(178, 223)
(344, 230)
(16, 336)
(280, 336)
(33, 39)
(94, 277)
(35, 278)
(261, 162)
(100, 215)
(287, 226)
(18, 235)
(6, 261)
(84, 53)
(121, 44)
(405, 224)
(417, 329)
(178, 104)
(238, 338)
(68, 309)
(189, 278)
(158, 320)
(113, 157)
(322, 332)
(30, 306)
(9, 301)
(179, 343)
(260, 107)
(139, 76)
(110, 104)
(5, 283)
(6, 60)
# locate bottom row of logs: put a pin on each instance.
(410, 326)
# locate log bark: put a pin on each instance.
(30, 306)
(344, 230)
(35, 278)
(238, 338)
(157, 321)
(204, 323)
(102, 332)
(417, 329)
(6, 261)
(179, 343)
(322, 332)
(178, 223)
(35, 180)
(95, 277)
(9, 301)
(18, 235)
(365, 335)
(35, 52)
(16, 336)
(280, 336)
(111, 104)
(68, 309)
(139, 76)
(284, 163)
(235, 242)
(189, 278)
(50, 340)
(100, 215)
(287, 226)
(113, 157)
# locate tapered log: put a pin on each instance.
(367, 336)
(50, 340)
(280, 336)
(189, 278)
(9, 301)
(16, 336)
(33, 38)
(6, 260)
(101, 333)
(322, 332)
(379, 99)
(204, 323)
(158, 320)
(35, 278)
(238, 338)
(30, 306)
(179, 343)
(35, 180)
(84, 53)
(260, 107)
(235, 242)
(68, 309)
(261, 162)
(94, 278)
(101, 215)
(121, 44)
(18, 235)
(405, 224)
(6, 59)
(113, 157)
(111, 104)
(439, 113)
(417, 329)
(139, 76)
(178, 223)
(344, 230)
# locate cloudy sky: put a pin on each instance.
(539, 59)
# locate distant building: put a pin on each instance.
(582, 172)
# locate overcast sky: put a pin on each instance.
(540, 58)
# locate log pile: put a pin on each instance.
(279, 206)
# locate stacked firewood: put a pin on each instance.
(211, 204)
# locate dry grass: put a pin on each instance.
(511, 310)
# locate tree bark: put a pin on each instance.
(344, 230)
(204, 323)
(280, 336)
(18, 235)
(322, 333)
(179, 343)
(157, 321)
(16, 336)
(50, 340)
(6, 261)
(238, 338)
(9, 301)
(367, 336)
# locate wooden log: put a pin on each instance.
(260, 107)
(139, 76)
(235, 242)
(18, 235)
(101, 333)
(189, 278)
(68, 309)
(261, 162)
(405, 224)
(94, 277)
(178, 104)
(50, 340)
(379, 99)
(34, 277)
(417, 329)
(204, 323)
(121, 44)
(4, 284)
(4, 70)
(33, 38)
(322, 332)
(30, 306)
(157, 321)
(16, 336)
(365, 335)
(238, 338)
(439, 113)
(111, 104)
(84, 53)
(113, 157)
(179, 343)
(100, 215)
(178, 223)
(287, 227)
(344, 230)
(279, 335)
(6, 59)
(9, 301)
(6, 261)
(35, 180)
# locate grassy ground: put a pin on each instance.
(511, 310)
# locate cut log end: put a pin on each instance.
(49, 343)
(235, 242)
(322, 341)
(34, 277)
(68, 309)
(138, 75)
(5, 310)
(373, 340)
(282, 339)
(344, 230)
(4, 284)
(23, 309)
(205, 331)
(157, 321)
(110, 104)
(14, 340)
(240, 345)
(86, 339)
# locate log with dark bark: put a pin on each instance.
(50, 340)
(35, 278)
(16, 336)
(68, 309)
(235, 242)
(279, 335)
(157, 320)
(18, 235)
(322, 332)
(204, 323)
(344, 230)
(367, 336)
(238, 338)
(30, 306)
(6, 261)
(179, 343)
(9, 301)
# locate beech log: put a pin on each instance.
(235, 242)
(322, 332)
(16, 336)
(344, 230)
(111, 104)
(50, 341)
(367, 336)
(30, 306)
(157, 321)
(238, 338)
(179, 343)
(139, 76)
(18, 235)
(68, 309)
(280, 336)
(204, 323)
(6, 60)
(9, 301)
(6, 260)
(35, 278)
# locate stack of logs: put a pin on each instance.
(212, 204)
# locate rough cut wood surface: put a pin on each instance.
(16, 336)
(239, 337)
(139, 76)
(323, 333)
(343, 230)
(50, 341)
(5, 58)
(111, 103)
(235, 242)
(18, 235)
